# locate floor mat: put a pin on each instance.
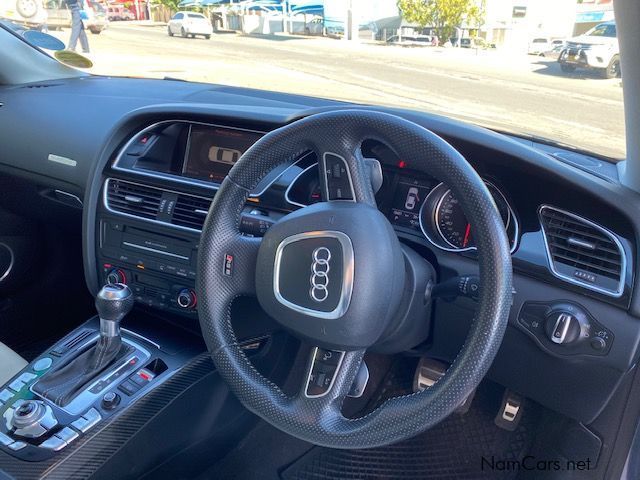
(461, 447)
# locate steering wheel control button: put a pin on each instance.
(88, 420)
(42, 364)
(337, 178)
(325, 364)
(110, 400)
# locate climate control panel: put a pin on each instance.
(565, 328)
(154, 291)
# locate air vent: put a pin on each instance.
(133, 199)
(582, 252)
(190, 211)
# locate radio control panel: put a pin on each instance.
(159, 269)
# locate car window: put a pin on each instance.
(603, 30)
(401, 56)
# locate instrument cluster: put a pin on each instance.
(418, 204)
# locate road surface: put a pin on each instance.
(510, 92)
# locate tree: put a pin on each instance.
(443, 15)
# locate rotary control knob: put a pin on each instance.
(563, 327)
(186, 298)
(116, 275)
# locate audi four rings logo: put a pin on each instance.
(320, 274)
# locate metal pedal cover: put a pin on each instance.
(510, 411)
(428, 372)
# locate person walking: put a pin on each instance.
(77, 27)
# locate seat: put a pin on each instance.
(10, 363)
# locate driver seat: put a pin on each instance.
(10, 363)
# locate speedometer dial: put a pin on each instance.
(445, 224)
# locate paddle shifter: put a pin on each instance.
(113, 302)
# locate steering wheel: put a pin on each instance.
(332, 274)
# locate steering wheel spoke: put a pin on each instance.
(239, 264)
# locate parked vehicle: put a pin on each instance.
(542, 46)
(475, 42)
(190, 24)
(414, 40)
(314, 27)
(29, 13)
(119, 13)
(59, 15)
(598, 49)
(334, 28)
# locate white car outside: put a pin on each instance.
(189, 24)
(541, 45)
(597, 49)
(30, 13)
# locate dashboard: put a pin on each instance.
(147, 166)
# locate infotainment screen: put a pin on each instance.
(212, 151)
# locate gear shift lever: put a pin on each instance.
(113, 303)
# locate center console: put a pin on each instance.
(91, 374)
(155, 197)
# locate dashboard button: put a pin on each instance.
(15, 446)
(16, 385)
(6, 395)
(42, 364)
(88, 420)
(54, 443)
(67, 434)
(5, 439)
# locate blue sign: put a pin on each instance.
(589, 17)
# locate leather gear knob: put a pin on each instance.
(114, 302)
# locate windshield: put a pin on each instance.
(603, 30)
(467, 59)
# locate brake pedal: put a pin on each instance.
(510, 412)
(428, 372)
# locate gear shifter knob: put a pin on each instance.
(113, 303)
